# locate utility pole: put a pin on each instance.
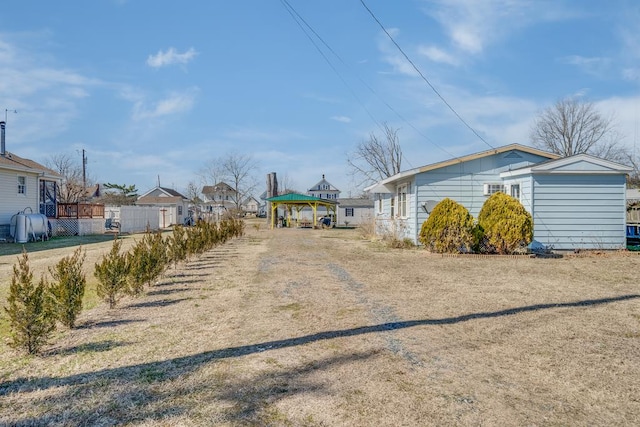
(84, 170)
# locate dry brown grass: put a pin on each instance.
(318, 327)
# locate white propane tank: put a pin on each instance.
(37, 227)
(18, 229)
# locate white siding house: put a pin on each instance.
(174, 207)
(25, 185)
(324, 190)
(576, 202)
(354, 212)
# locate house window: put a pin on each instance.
(402, 200)
(393, 207)
(490, 189)
(348, 211)
(22, 185)
(179, 210)
(379, 203)
(515, 191)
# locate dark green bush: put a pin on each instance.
(449, 228)
(67, 289)
(31, 318)
(506, 225)
(112, 272)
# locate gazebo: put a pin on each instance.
(294, 202)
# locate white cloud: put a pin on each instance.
(392, 56)
(170, 57)
(341, 119)
(436, 54)
(472, 25)
(596, 66)
(175, 103)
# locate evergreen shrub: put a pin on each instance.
(449, 228)
(31, 319)
(506, 225)
(67, 289)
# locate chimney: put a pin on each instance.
(2, 144)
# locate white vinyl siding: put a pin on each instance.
(12, 202)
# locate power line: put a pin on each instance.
(298, 18)
(422, 75)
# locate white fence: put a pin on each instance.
(134, 219)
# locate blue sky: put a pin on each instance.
(156, 88)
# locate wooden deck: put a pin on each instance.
(80, 210)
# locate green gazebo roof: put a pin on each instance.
(295, 197)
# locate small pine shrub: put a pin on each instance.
(159, 257)
(177, 246)
(449, 228)
(30, 314)
(506, 225)
(138, 262)
(112, 272)
(67, 289)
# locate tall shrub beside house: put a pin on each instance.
(67, 289)
(112, 272)
(30, 317)
(506, 225)
(449, 228)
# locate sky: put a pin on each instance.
(156, 91)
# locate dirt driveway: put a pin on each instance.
(319, 327)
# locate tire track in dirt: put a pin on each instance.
(379, 313)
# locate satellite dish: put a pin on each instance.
(429, 205)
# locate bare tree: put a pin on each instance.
(72, 188)
(633, 179)
(211, 173)
(377, 158)
(286, 185)
(572, 126)
(193, 194)
(238, 169)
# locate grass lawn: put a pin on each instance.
(320, 327)
(54, 243)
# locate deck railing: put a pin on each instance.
(80, 210)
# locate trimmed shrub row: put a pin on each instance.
(503, 227)
(35, 308)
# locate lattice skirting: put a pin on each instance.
(76, 227)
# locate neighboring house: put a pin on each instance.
(250, 205)
(173, 205)
(25, 184)
(633, 211)
(633, 195)
(218, 198)
(324, 190)
(576, 202)
(355, 211)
